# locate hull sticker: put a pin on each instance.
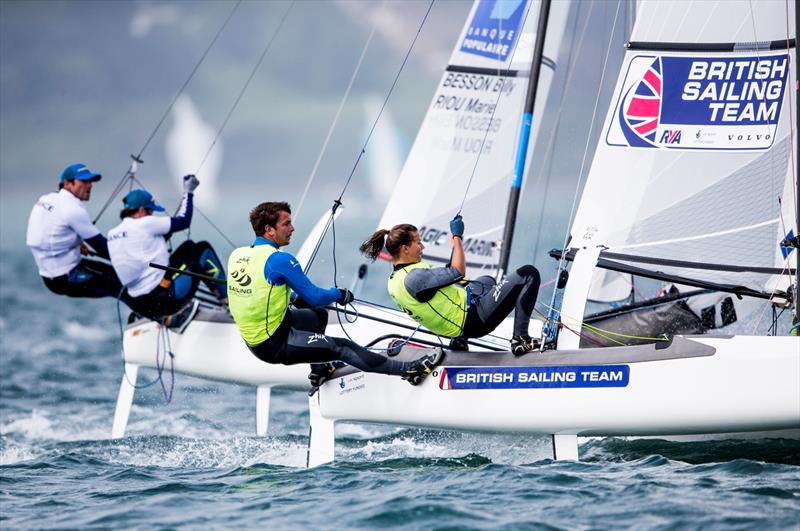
(456, 378)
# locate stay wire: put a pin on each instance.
(122, 351)
(545, 168)
(246, 84)
(338, 202)
(353, 307)
(186, 83)
(345, 97)
(138, 158)
(588, 138)
(491, 119)
(385, 101)
(230, 113)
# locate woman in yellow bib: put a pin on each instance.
(436, 298)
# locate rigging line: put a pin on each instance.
(589, 136)
(792, 131)
(385, 101)
(186, 83)
(117, 189)
(317, 246)
(491, 118)
(196, 209)
(230, 113)
(771, 153)
(607, 334)
(774, 292)
(580, 334)
(338, 201)
(338, 112)
(572, 62)
(169, 108)
(216, 228)
(246, 84)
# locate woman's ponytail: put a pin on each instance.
(373, 246)
(392, 240)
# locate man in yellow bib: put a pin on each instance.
(261, 280)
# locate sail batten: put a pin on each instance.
(779, 44)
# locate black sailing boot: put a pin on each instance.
(422, 367)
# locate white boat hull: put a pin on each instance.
(209, 348)
(699, 385)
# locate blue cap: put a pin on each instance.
(141, 198)
(80, 172)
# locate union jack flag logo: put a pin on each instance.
(641, 108)
(444, 381)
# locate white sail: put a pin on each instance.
(187, 147)
(694, 158)
(483, 88)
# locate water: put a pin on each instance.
(194, 462)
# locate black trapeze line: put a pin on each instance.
(710, 46)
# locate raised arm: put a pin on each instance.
(457, 230)
(183, 219)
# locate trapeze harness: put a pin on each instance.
(444, 314)
(248, 290)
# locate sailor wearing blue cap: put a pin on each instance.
(141, 239)
(59, 229)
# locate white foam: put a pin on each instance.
(510, 449)
(86, 424)
(364, 431)
(15, 453)
(203, 453)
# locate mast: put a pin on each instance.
(524, 137)
(797, 165)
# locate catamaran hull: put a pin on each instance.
(696, 386)
(211, 348)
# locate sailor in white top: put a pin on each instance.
(141, 239)
(59, 228)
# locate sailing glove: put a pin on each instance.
(345, 297)
(190, 182)
(457, 226)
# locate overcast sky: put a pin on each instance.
(87, 81)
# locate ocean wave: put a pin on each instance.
(83, 332)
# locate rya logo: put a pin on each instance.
(671, 137)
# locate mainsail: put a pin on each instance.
(694, 166)
(474, 118)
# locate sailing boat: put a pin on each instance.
(694, 154)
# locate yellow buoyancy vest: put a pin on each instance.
(444, 314)
(257, 306)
